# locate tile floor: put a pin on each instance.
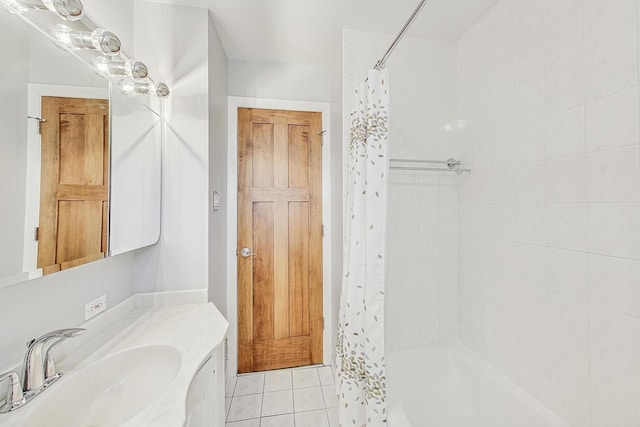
(299, 397)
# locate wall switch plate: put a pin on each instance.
(95, 307)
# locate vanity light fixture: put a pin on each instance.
(130, 87)
(99, 39)
(70, 10)
(132, 68)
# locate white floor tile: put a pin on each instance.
(278, 380)
(330, 398)
(246, 423)
(305, 378)
(227, 405)
(312, 419)
(250, 384)
(245, 407)
(326, 375)
(278, 421)
(230, 386)
(307, 399)
(277, 403)
(332, 414)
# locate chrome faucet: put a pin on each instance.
(39, 368)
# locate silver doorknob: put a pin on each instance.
(246, 253)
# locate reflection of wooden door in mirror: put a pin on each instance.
(74, 182)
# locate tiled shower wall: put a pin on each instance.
(422, 226)
(550, 216)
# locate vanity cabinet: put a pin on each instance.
(205, 400)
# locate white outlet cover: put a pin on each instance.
(95, 307)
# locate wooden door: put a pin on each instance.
(280, 221)
(74, 182)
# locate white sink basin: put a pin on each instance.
(108, 392)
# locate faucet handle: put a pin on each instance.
(50, 372)
(15, 396)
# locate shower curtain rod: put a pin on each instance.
(381, 62)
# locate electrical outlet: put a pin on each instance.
(95, 307)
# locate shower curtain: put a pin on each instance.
(360, 348)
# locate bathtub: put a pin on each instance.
(449, 386)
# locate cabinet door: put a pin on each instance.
(201, 397)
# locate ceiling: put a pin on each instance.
(310, 31)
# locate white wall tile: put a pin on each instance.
(531, 183)
(546, 307)
(613, 229)
(614, 395)
(530, 101)
(564, 38)
(569, 321)
(566, 180)
(569, 273)
(566, 133)
(611, 67)
(568, 226)
(529, 144)
(605, 21)
(531, 224)
(615, 338)
(614, 175)
(614, 284)
(564, 85)
(612, 121)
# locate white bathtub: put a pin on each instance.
(449, 386)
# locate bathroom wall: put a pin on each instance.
(218, 169)
(550, 216)
(422, 226)
(30, 309)
(180, 259)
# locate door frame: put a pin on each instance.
(235, 102)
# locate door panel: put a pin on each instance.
(74, 182)
(280, 219)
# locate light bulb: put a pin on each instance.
(98, 39)
(130, 87)
(71, 10)
(131, 68)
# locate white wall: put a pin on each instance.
(550, 216)
(30, 309)
(422, 227)
(218, 170)
(172, 39)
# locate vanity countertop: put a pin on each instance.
(192, 329)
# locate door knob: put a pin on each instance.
(246, 253)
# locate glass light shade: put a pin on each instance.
(98, 39)
(130, 87)
(131, 68)
(71, 10)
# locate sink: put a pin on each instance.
(108, 392)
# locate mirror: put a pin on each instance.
(87, 177)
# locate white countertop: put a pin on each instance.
(195, 330)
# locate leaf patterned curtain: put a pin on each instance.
(360, 349)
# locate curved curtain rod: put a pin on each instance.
(381, 62)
